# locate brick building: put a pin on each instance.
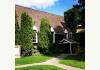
(58, 27)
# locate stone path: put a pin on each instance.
(54, 61)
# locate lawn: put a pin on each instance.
(31, 59)
(74, 60)
(40, 67)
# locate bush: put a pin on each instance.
(44, 37)
(26, 34)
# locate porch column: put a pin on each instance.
(70, 49)
(66, 35)
(53, 37)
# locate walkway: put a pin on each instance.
(55, 62)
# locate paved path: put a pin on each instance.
(55, 62)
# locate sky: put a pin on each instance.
(52, 6)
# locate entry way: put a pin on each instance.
(70, 46)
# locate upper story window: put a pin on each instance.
(35, 36)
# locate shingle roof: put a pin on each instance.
(56, 21)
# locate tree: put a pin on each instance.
(80, 37)
(81, 12)
(17, 31)
(26, 34)
(44, 36)
(69, 17)
(75, 16)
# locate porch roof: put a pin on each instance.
(66, 41)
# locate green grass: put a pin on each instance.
(31, 59)
(75, 61)
(40, 67)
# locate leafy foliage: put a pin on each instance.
(80, 37)
(44, 36)
(26, 34)
(69, 17)
(75, 16)
(81, 11)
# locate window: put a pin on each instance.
(34, 36)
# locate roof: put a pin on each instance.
(55, 21)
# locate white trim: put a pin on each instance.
(52, 30)
(53, 37)
(67, 35)
(35, 28)
(65, 31)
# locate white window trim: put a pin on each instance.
(36, 38)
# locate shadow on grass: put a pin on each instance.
(75, 57)
(66, 56)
